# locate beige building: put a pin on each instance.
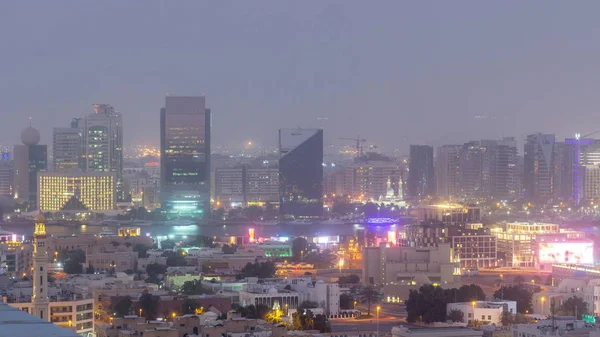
(592, 182)
(105, 260)
(77, 313)
(449, 214)
(399, 269)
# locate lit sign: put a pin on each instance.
(380, 220)
(392, 237)
(566, 252)
(251, 234)
(5, 155)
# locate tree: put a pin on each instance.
(466, 293)
(123, 306)
(74, 260)
(518, 279)
(455, 315)
(299, 248)
(175, 259)
(254, 312)
(428, 304)
(227, 249)
(90, 269)
(189, 306)
(202, 242)
(369, 295)
(260, 270)
(155, 269)
(350, 279)
(149, 304)
(322, 324)
(141, 249)
(167, 244)
(516, 293)
(219, 214)
(308, 305)
(507, 318)
(346, 302)
(573, 306)
(194, 287)
(253, 213)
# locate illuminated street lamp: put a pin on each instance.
(174, 315)
(354, 304)
(473, 303)
(543, 300)
(140, 312)
(378, 308)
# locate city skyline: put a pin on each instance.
(440, 81)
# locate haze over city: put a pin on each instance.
(393, 72)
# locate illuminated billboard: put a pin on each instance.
(581, 252)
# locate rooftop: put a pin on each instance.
(17, 323)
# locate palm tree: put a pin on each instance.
(369, 295)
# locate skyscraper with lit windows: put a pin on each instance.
(77, 191)
(185, 127)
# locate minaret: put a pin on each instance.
(40, 270)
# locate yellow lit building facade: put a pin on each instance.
(90, 191)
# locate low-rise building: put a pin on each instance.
(289, 293)
(401, 331)
(17, 323)
(72, 311)
(485, 312)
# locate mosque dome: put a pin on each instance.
(40, 218)
(30, 136)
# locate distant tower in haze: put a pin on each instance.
(539, 163)
(421, 177)
(185, 134)
(29, 160)
(301, 173)
(103, 143)
(447, 170)
(40, 299)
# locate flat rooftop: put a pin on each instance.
(17, 323)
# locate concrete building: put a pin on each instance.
(591, 190)
(450, 214)
(6, 175)
(383, 265)
(18, 323)
(274, 293)
(105, 259)
(401, 331)
(516, 241)
(474, 248)
(67, 148)
(77, 191)
(246, 185)
(484, 312)
(539, 153)
(447, 170)
(15, 255)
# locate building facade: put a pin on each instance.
(6, 175)
(538, 167)
(515, 242)
(103, 143)
(67, 148)
(89, 191)
(185, 134)
(301, 173)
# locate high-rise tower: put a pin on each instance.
(301, 173)
(185, 157)
(40, 299)
(103, 143)
(421, 176)
(539, 161)
(67, 148)
(30, 159)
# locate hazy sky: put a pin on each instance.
(395, 72)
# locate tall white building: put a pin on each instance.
(592, 182)
(103, 143)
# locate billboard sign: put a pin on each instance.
(566, 252)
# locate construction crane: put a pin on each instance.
(359, 144)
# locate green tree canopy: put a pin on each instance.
(123, 306)
(350, 279)
(466, 293)
(573, 306)
(73, 261)
(369, 295)
(516, 293)
(258, 269)
(195, 287)
(428, 304)
(149, 304)
(299, 248)
(455, 316)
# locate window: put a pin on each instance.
(482, 316)
(41, 268)
(489, 317)
(470, 315)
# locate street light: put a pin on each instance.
(473, 303)
(543, 300)
(378, 308)
(140, 312)
(354, 305)
(174, 315)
